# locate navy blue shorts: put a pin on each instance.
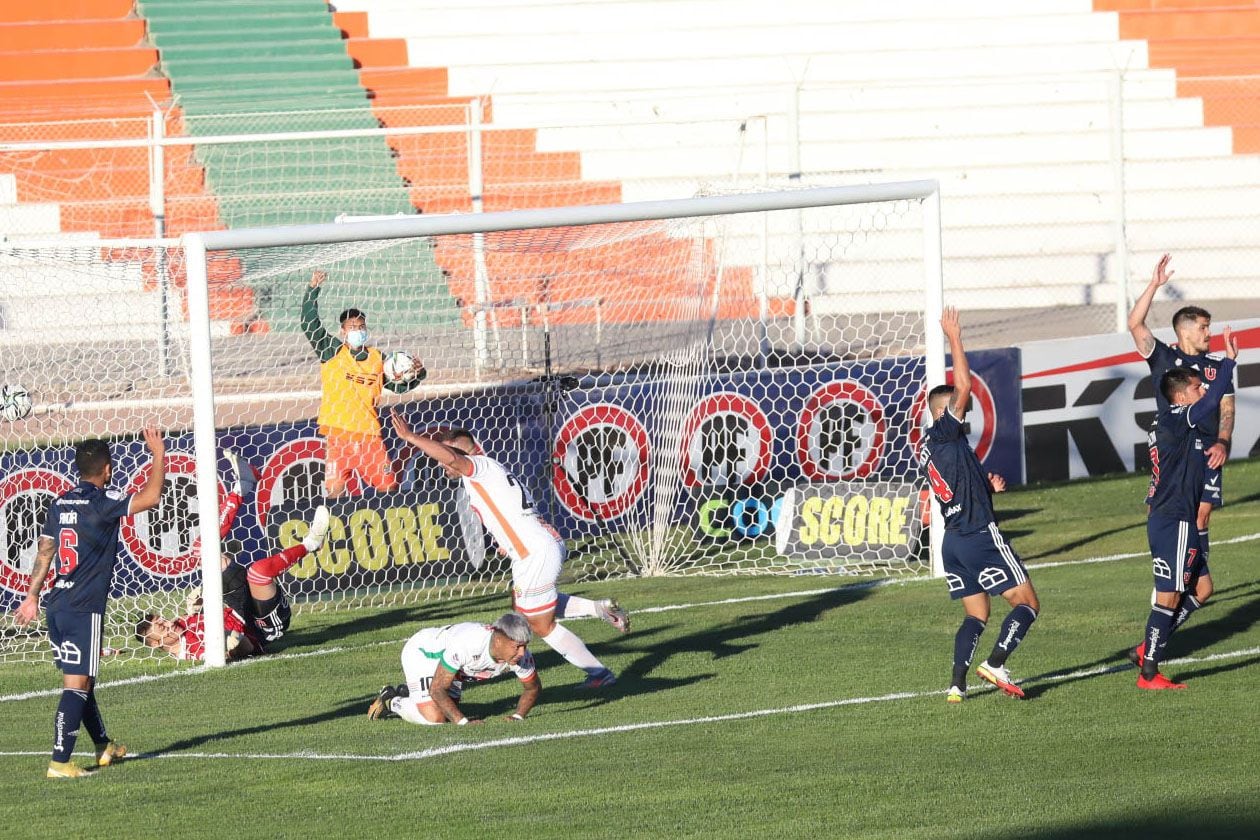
(76, 641)
(1176, 561)
(1212, 491)
(980, 562)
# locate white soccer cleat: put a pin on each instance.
(245, 476)
(318, 531)
(1000, 677)
(612, 612)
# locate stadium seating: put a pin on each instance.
(1010, 105)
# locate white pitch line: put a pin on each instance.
(870, 584)
(524, 740)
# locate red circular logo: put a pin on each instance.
(292, 473)
(166, 540)
(24, 499)
(841, 433)
(600, 462)
(726, 440)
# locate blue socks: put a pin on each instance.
(1013, 629)
(92, 721)
(1188, 605)
(1158, 628)
(965, 641)
(66, 723)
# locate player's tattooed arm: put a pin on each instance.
(439, 692)
(951, 324)
(28, 610)
(447, 456)
(1142, 336)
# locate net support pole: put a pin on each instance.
(204, 448)
(157, 206)
(481, 276)
(934, 342)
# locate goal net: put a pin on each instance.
(723, 385)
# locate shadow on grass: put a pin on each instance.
(1202, 820)
(1185, 642)
(349, 708)
(410, 619)
(1075, 544)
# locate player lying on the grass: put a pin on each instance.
(978, 560)
(255, 608)
(438, 660)
(534, 547)
(1182, 580)
(1192, 327)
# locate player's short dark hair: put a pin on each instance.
(143, 625)
(347, 314)
(91, 457)
(1174, 381)
(453, 434)
(1189, 315)
(939, 391)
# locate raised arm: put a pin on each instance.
(445, 455)
(28, 610)
(1205, 407)
(952, 326)
(1142, 336)
(151, 492)
(325, 345)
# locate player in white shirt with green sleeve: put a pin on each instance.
(437, 660)
(536, 550)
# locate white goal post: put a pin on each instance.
(202, 249)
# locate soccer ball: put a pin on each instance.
(400, 367)
(15, 403)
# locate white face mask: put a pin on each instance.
(356, 338)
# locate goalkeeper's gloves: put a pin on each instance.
(193, 604)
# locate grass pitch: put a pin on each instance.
(747, 707)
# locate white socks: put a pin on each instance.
(571, 606)
(573, 649)
(405, 709)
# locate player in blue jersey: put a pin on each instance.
(1178, 464)
(81, 534)
(978, 561)
(1193, 329)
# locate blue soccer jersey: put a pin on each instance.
(1164, 358)
(83, 523)
(1177, 460)
(958, 479)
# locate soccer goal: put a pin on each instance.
(728, 384)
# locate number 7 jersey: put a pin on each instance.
(83, 524)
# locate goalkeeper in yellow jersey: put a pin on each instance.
(352, 375)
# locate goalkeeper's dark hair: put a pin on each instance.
(1188, 316)
(448, 436)
(143, 626)
(1175, 381)
(91, 457)
(347, 314)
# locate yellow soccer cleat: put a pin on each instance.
(65, 770)
(107, 754)
(955, 695)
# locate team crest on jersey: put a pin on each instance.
(1210, 373)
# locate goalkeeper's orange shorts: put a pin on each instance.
(350, 454)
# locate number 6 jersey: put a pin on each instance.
(83, 524)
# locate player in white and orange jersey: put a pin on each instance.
(536, 550)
